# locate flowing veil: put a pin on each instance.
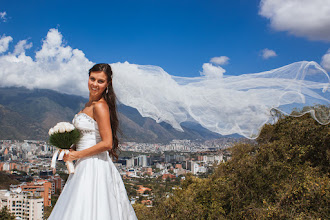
(224, 104)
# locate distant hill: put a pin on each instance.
(28, 114)
(6, 180)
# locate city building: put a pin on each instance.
(57, 184)
(38, 188)
(22, 204)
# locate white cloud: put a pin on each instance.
(56, 66)
(3, 16)
(304, 18)
(21, 46)
(220, 60)
(326, 61)
(233, 104)
(267, 53)
(4, 43)
(212, 71)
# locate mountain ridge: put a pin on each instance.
(28, 114)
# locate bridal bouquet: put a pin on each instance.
(63, 135)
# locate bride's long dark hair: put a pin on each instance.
(110, 97)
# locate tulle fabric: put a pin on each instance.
(224, 104)
(96, 190)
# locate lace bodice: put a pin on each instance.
(89, 131)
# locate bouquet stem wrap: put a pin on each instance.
(60, 153)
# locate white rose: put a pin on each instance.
(68, 127)
(55, 129)
(60, 124)
(51, 131)
(61, 129)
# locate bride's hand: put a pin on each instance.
(72, 155)
(74, 147)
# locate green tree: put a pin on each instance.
(285, 175)
(5, 214)
(143, 212)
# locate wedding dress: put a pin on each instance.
(95, 191)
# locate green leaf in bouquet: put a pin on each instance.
(64, 140)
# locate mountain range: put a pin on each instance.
(28, 114)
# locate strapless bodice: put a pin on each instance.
(88, 129)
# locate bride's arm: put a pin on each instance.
(102, 117)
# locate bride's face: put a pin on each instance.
(97, 83)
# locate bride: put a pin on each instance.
(96, 190)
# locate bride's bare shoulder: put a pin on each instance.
(100, 107)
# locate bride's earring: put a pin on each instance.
(107, 90)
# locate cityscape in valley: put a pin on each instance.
(221, 109)
(153, 161)
(150, 171)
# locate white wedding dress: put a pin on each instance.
(95, 191)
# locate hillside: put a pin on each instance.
(6, 180)
(28, 114)
(284, 176)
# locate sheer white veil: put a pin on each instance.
(224, 104)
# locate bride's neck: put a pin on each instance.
(94, 98)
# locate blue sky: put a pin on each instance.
(178, 36)
(52, 44)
